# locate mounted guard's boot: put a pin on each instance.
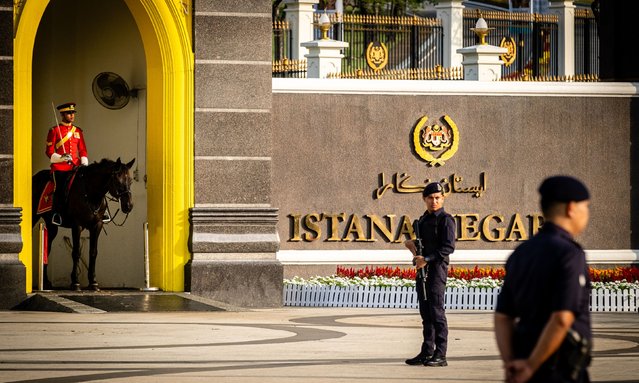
(59, 197)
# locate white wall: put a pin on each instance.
(76, 41)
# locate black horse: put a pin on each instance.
(85, 208)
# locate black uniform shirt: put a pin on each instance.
(437, 231)
(545, 274)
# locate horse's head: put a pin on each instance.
(120, 184)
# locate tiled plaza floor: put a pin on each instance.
(271, 345)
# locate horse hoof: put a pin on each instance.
(75, 287)
(94, 287)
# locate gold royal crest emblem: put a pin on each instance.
(509, 57)
(377, 55)
(436, 140)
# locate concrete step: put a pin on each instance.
(115, 301)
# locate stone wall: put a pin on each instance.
(12, 272)
(233, 233)
(331, 149)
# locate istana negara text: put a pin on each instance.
(343, 227)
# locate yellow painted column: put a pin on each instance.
(164, 27)
(22, 132)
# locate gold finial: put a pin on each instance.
(324, 25)
(481, 30)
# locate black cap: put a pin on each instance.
(68, 107)
(431, 188)
(563, 189)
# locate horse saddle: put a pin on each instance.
(45, 202)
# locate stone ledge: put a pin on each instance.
(233, 230)
(13, 275)
(239, 283)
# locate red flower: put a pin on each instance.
(629, 273)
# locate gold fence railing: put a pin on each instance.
(281, 40)
(511, 16)
(408, 41)
(571, 78)
(383, 20)
(532, 38)
(584, 13)
(281, 24)
(437, 73)
(289, 68)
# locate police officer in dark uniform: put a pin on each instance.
(542, 319)
(437, 234)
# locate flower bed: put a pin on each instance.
(477, 288)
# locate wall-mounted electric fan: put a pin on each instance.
(111, 90)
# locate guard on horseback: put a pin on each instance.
(66, 150)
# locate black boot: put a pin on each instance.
(420, 359)
(436, 361)
(59, 197)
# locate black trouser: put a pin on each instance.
(60, 179)
(434, 324)
(553, 370)
(544, 375)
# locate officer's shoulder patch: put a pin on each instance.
(582, 280)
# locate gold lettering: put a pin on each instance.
(295, 226)
(468, 226)
(363, 228)
(517, 227)
(333, 225)
(355, 227)
(405, 229)
(310, 223)
(536, 221)
(376, 223)
(488, 232)
(451, 184)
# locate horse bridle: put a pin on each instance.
(116, 198)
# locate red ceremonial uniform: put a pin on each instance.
(72, 140)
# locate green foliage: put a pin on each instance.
(378, 7)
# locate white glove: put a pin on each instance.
(84, 161)
(56, 158)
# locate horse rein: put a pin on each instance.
(108, 209)
(115, 198)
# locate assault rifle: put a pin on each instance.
(423, 272)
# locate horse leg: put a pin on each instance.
(52, 231)
(75, 254)
(93, 255)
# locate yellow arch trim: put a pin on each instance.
(164, 28)
(22, 75)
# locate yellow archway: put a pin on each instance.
(165, 31)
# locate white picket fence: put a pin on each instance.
(456, 298)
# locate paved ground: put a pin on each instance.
(271, 345)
